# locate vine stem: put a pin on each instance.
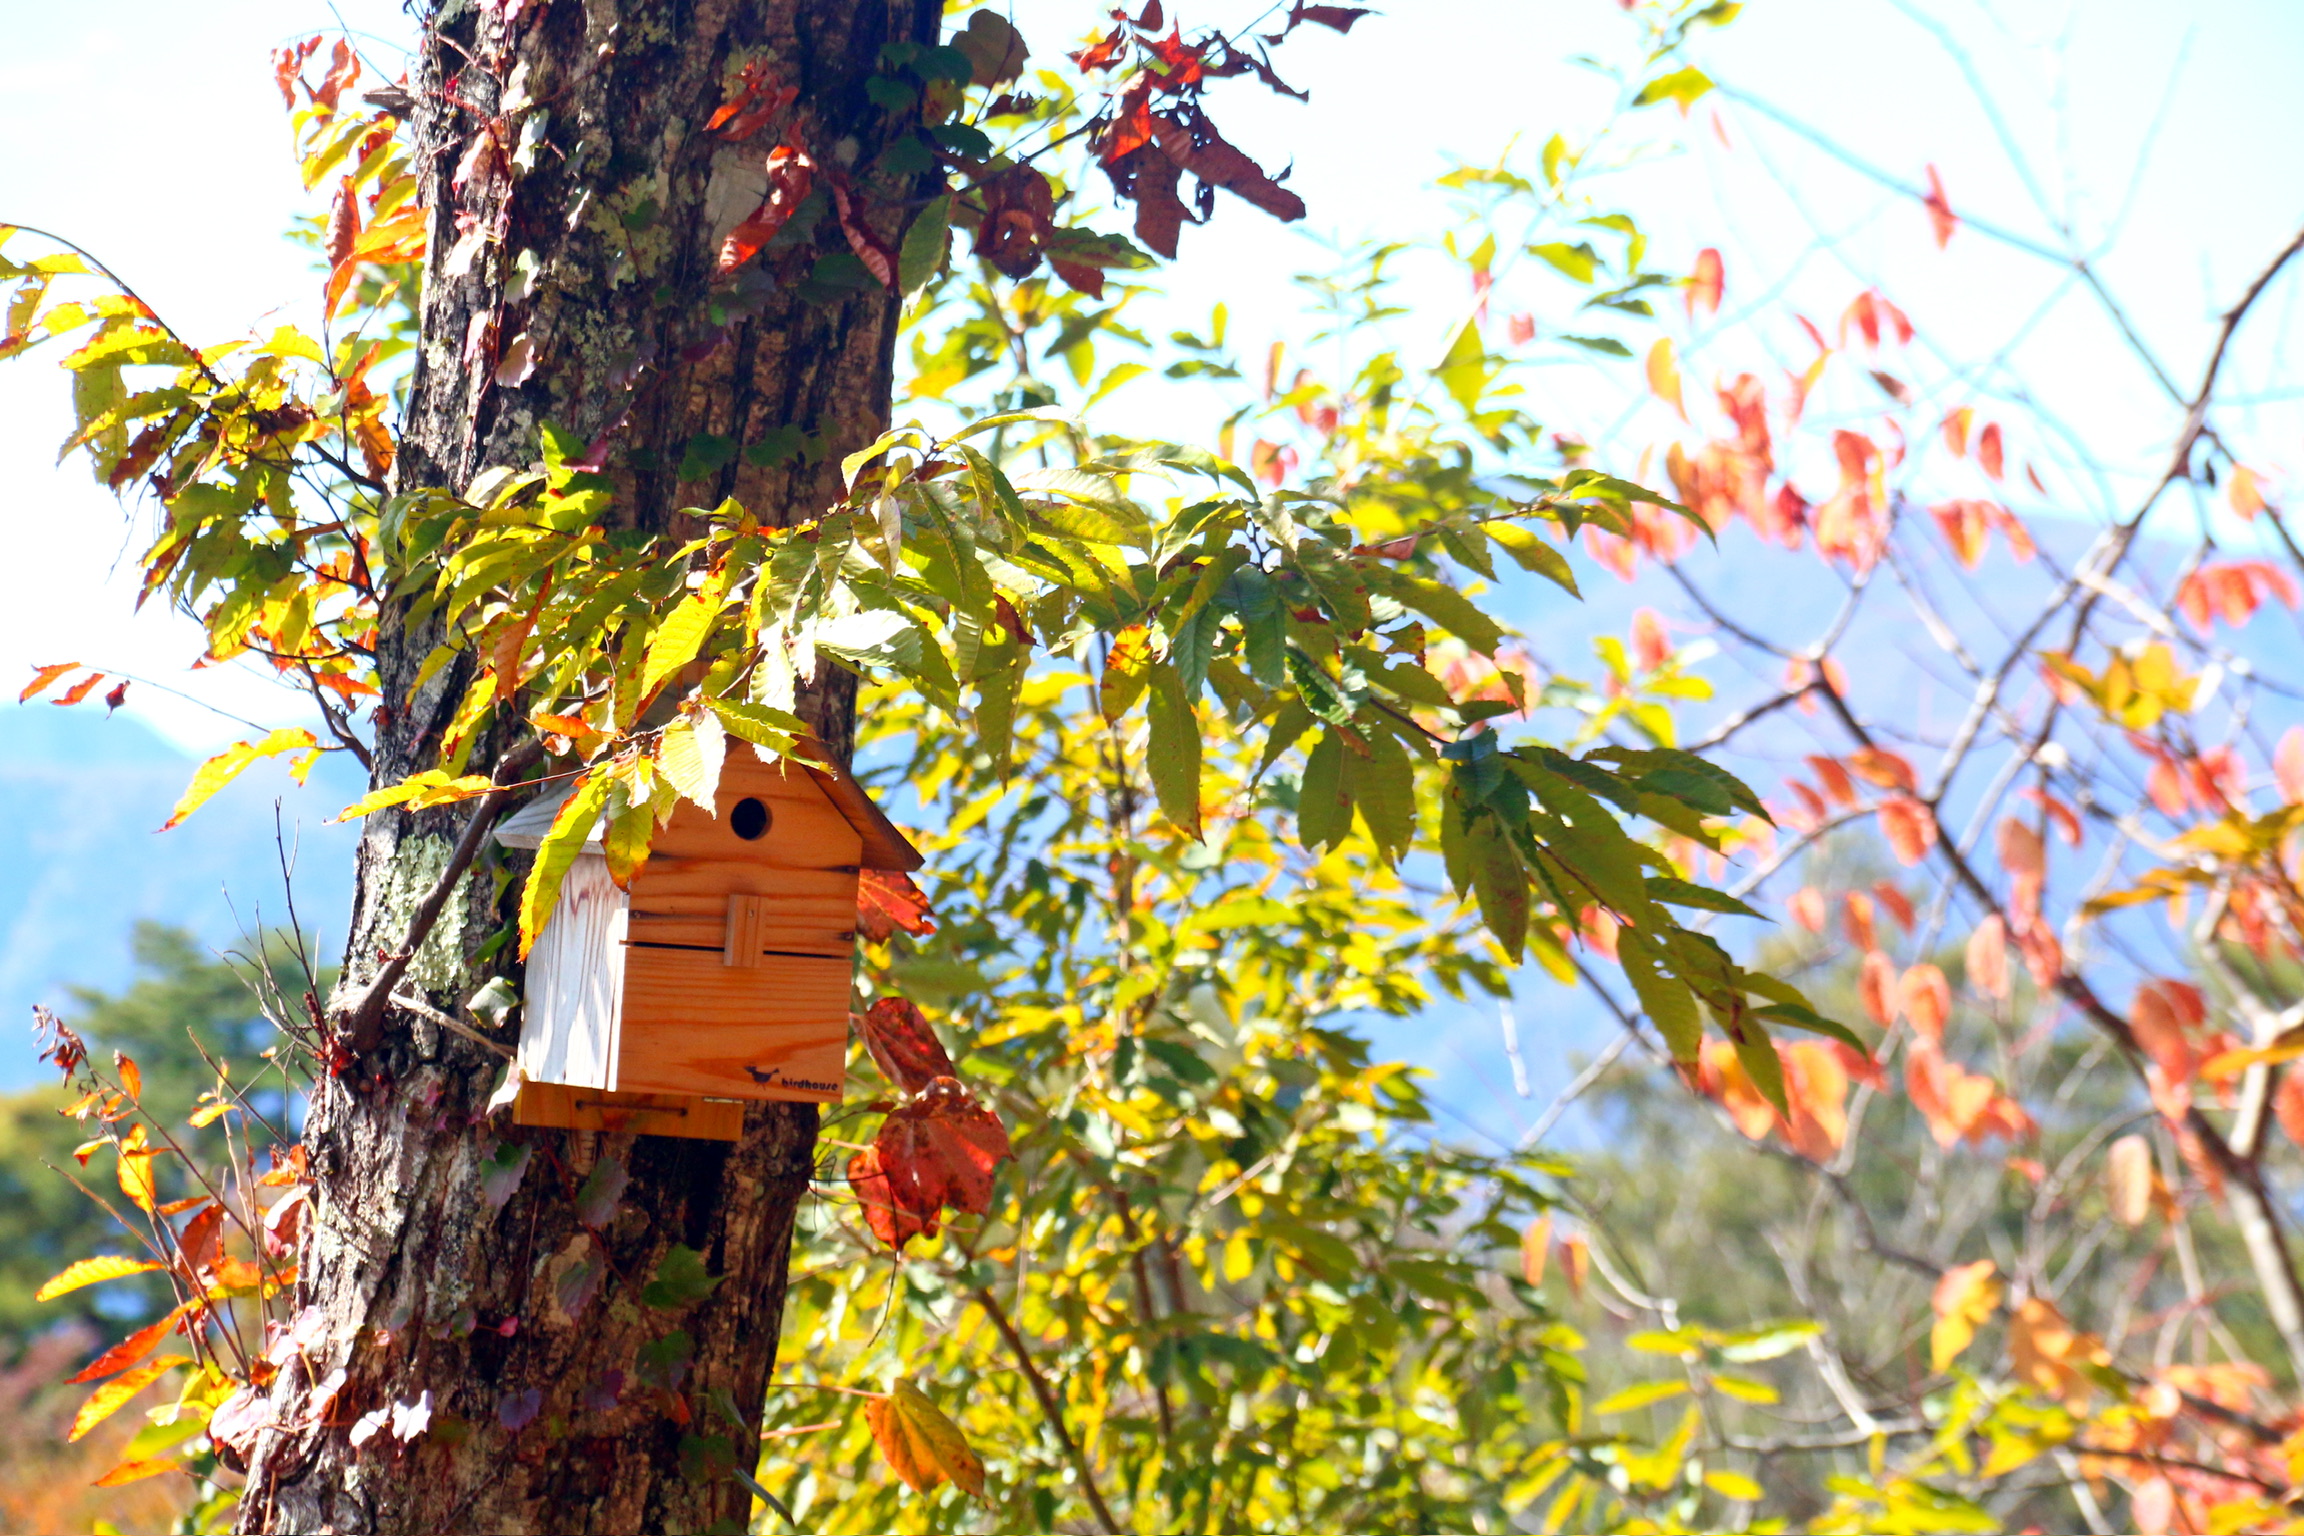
(1050, 1409)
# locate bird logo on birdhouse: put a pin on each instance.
(721, 975)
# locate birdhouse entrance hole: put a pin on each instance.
(749, 819)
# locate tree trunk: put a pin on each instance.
(559, 1399)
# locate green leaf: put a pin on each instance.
(1664, 998)
(705, 455)
(1758, 1054)
(1463, 371)
(1499, 881)
(924, 242)
(1680, 893)
(1323, 812)
(1175, 749)
(1606, 346)
(557, 852)
(680, 1280)
(1383, 786)
(1770, 1343)
(1449, 608)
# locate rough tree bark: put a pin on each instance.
(590, 302)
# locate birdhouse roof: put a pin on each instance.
(884, 847)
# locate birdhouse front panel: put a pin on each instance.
(740, 942)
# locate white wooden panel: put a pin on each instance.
(570, 1023)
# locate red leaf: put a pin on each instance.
(1160, 213)
(886, 902)
(1105, 54)
(1707, 284)
(287, 65)
(1207, 155)
(758, 100)
(1835, 780)
(878, 259)
(903, 1045)
(1019, 210)
(1989, 452)
(1337, 18)
(790, 174)
(1011, 620)
(934, 1153)
(343, 69)
(1898, 904)
(343, 223)
(1180, 64)
(1941, 219)
(117, 697)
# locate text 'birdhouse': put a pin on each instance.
(721, 975)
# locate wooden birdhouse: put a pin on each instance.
(721, 975)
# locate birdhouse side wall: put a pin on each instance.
(574, 998)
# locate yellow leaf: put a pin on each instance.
(923, 1447)
(679, 638)
(1664, 375)
(137, 1180)
(1640, 1396)
(570, 829)
(105, 1266)
(108, 1398)
(420, 791)
(230, 763)
(691, 756)
(1966, 1296)
(1732, 1485)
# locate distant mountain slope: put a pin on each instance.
(80, 861)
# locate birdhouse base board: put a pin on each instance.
(638, 1114)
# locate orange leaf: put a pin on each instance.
(135, 1471)
(131, 1076)
(1535, 1247)
(2049, 1353)
(1910, 830)
(1898, 904)
(1956, 425)
(1926, 998)
(1941, 219)
(107, 1399)
(1876, 986)
(1883, 768)
(922, 1445)
(41, 678)
(81, 689)
(130, 1349)
(1856, 920)
(1835, 780)
(1807, 908)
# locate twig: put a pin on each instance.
(1050, 1409)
